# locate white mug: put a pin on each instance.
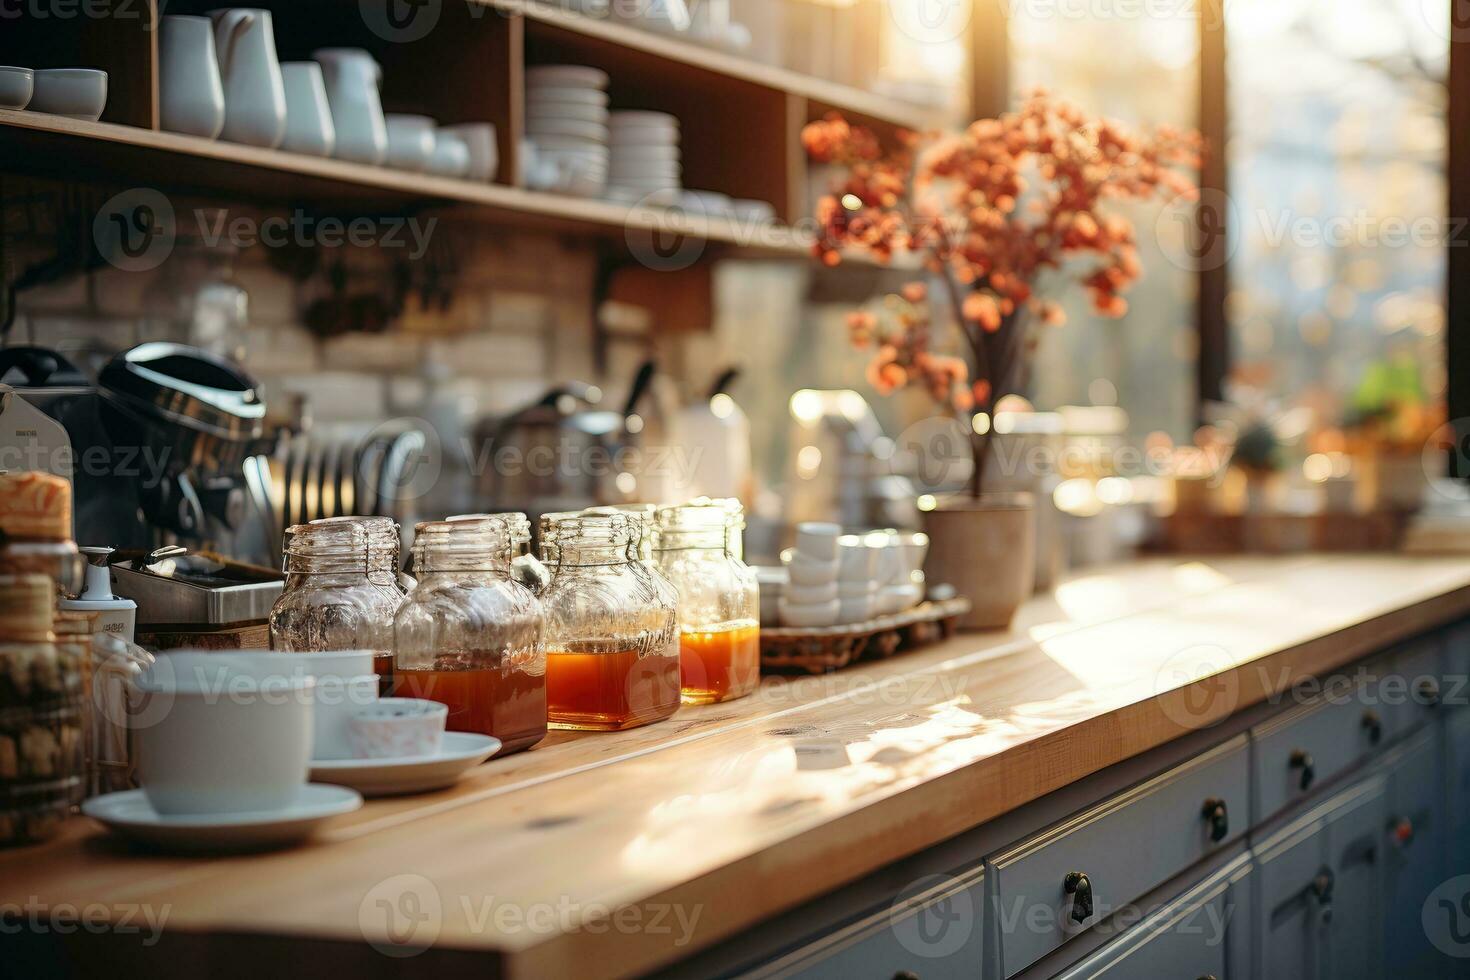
(255, 94)
(410, 142)
(222, 732)
(484, 154)
(451, 156)
(353, 79)
(191, 98)
(309, 127)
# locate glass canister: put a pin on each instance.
(341, 592)
(42, 716)
(35, 530)
(612, 646)
(470, 636)
(525, 567)
(719, 601)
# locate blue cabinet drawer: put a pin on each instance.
(1414, 685)
(1306, 747)
(1115, 852)
(1205, 932)
(931, 930)
(1456, 642)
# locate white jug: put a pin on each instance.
(255, 95)
(353, 79)
(191, 97)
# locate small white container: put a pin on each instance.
(809, 616)
(857, 559)
(811, 595)
(855, 590)
(818, 541)
(77, 93)
(411, 142)
(856, 610)
(805, 571)
(451, 156)
(115, 616)
(16, 86)
(398, 728)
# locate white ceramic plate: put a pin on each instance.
(574, 111)
(539, 126)
(567, 76)
(461, 752)
(635, 117)
(543, 95)
(646, 154)
(130, 814)
(570, 143)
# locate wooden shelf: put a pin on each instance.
(671, 48)
(47, 145)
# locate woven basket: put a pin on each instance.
(820, 650)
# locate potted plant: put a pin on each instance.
(997, 214)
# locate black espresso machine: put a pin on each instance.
(168, 446)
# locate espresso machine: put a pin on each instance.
(168, 447)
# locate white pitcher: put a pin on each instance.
(191, 97)
(255, 95)
(353, 79)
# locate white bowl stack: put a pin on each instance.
(566, 123)
(811, 597)
(645, 158)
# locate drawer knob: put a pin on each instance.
(1402, 830)
(1077, 885)
(1303, 761)
(1321, 889)
(1429, 692)
(1218, 817)
(1373, 725)
(905, 975)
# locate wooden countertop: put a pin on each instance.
(728, 814)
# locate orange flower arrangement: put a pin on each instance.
(988, 211)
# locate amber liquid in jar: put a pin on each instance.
(719, 664)
(383, 667)
(610, 690)
(508, 704)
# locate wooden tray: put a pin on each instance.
(823, 649)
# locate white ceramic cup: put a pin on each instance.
(255, 94)
(77, 93)
(309, 127)
(484, 153)
(411, 141)
(16, 86)
(344, 682)
(222, 733)
(451, 156)
(398, 728)
(191, 97)
(818, 540)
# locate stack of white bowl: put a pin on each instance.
(566, 125)
(645, 158)
(811, 597)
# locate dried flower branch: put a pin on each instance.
(989, 211)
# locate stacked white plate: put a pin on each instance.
(566, 123)
(645, 157)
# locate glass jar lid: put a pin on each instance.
(463, 543)
(582, 538)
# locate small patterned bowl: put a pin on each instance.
(397, 728)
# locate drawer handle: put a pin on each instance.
(1303, 761)
(1321, 889)
(1429, 692)
(1077, 885)
(1218, 818)
(1402, 830)
(905, 975)
(1373, 725)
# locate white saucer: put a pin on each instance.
(129, 813)
(461, 752)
